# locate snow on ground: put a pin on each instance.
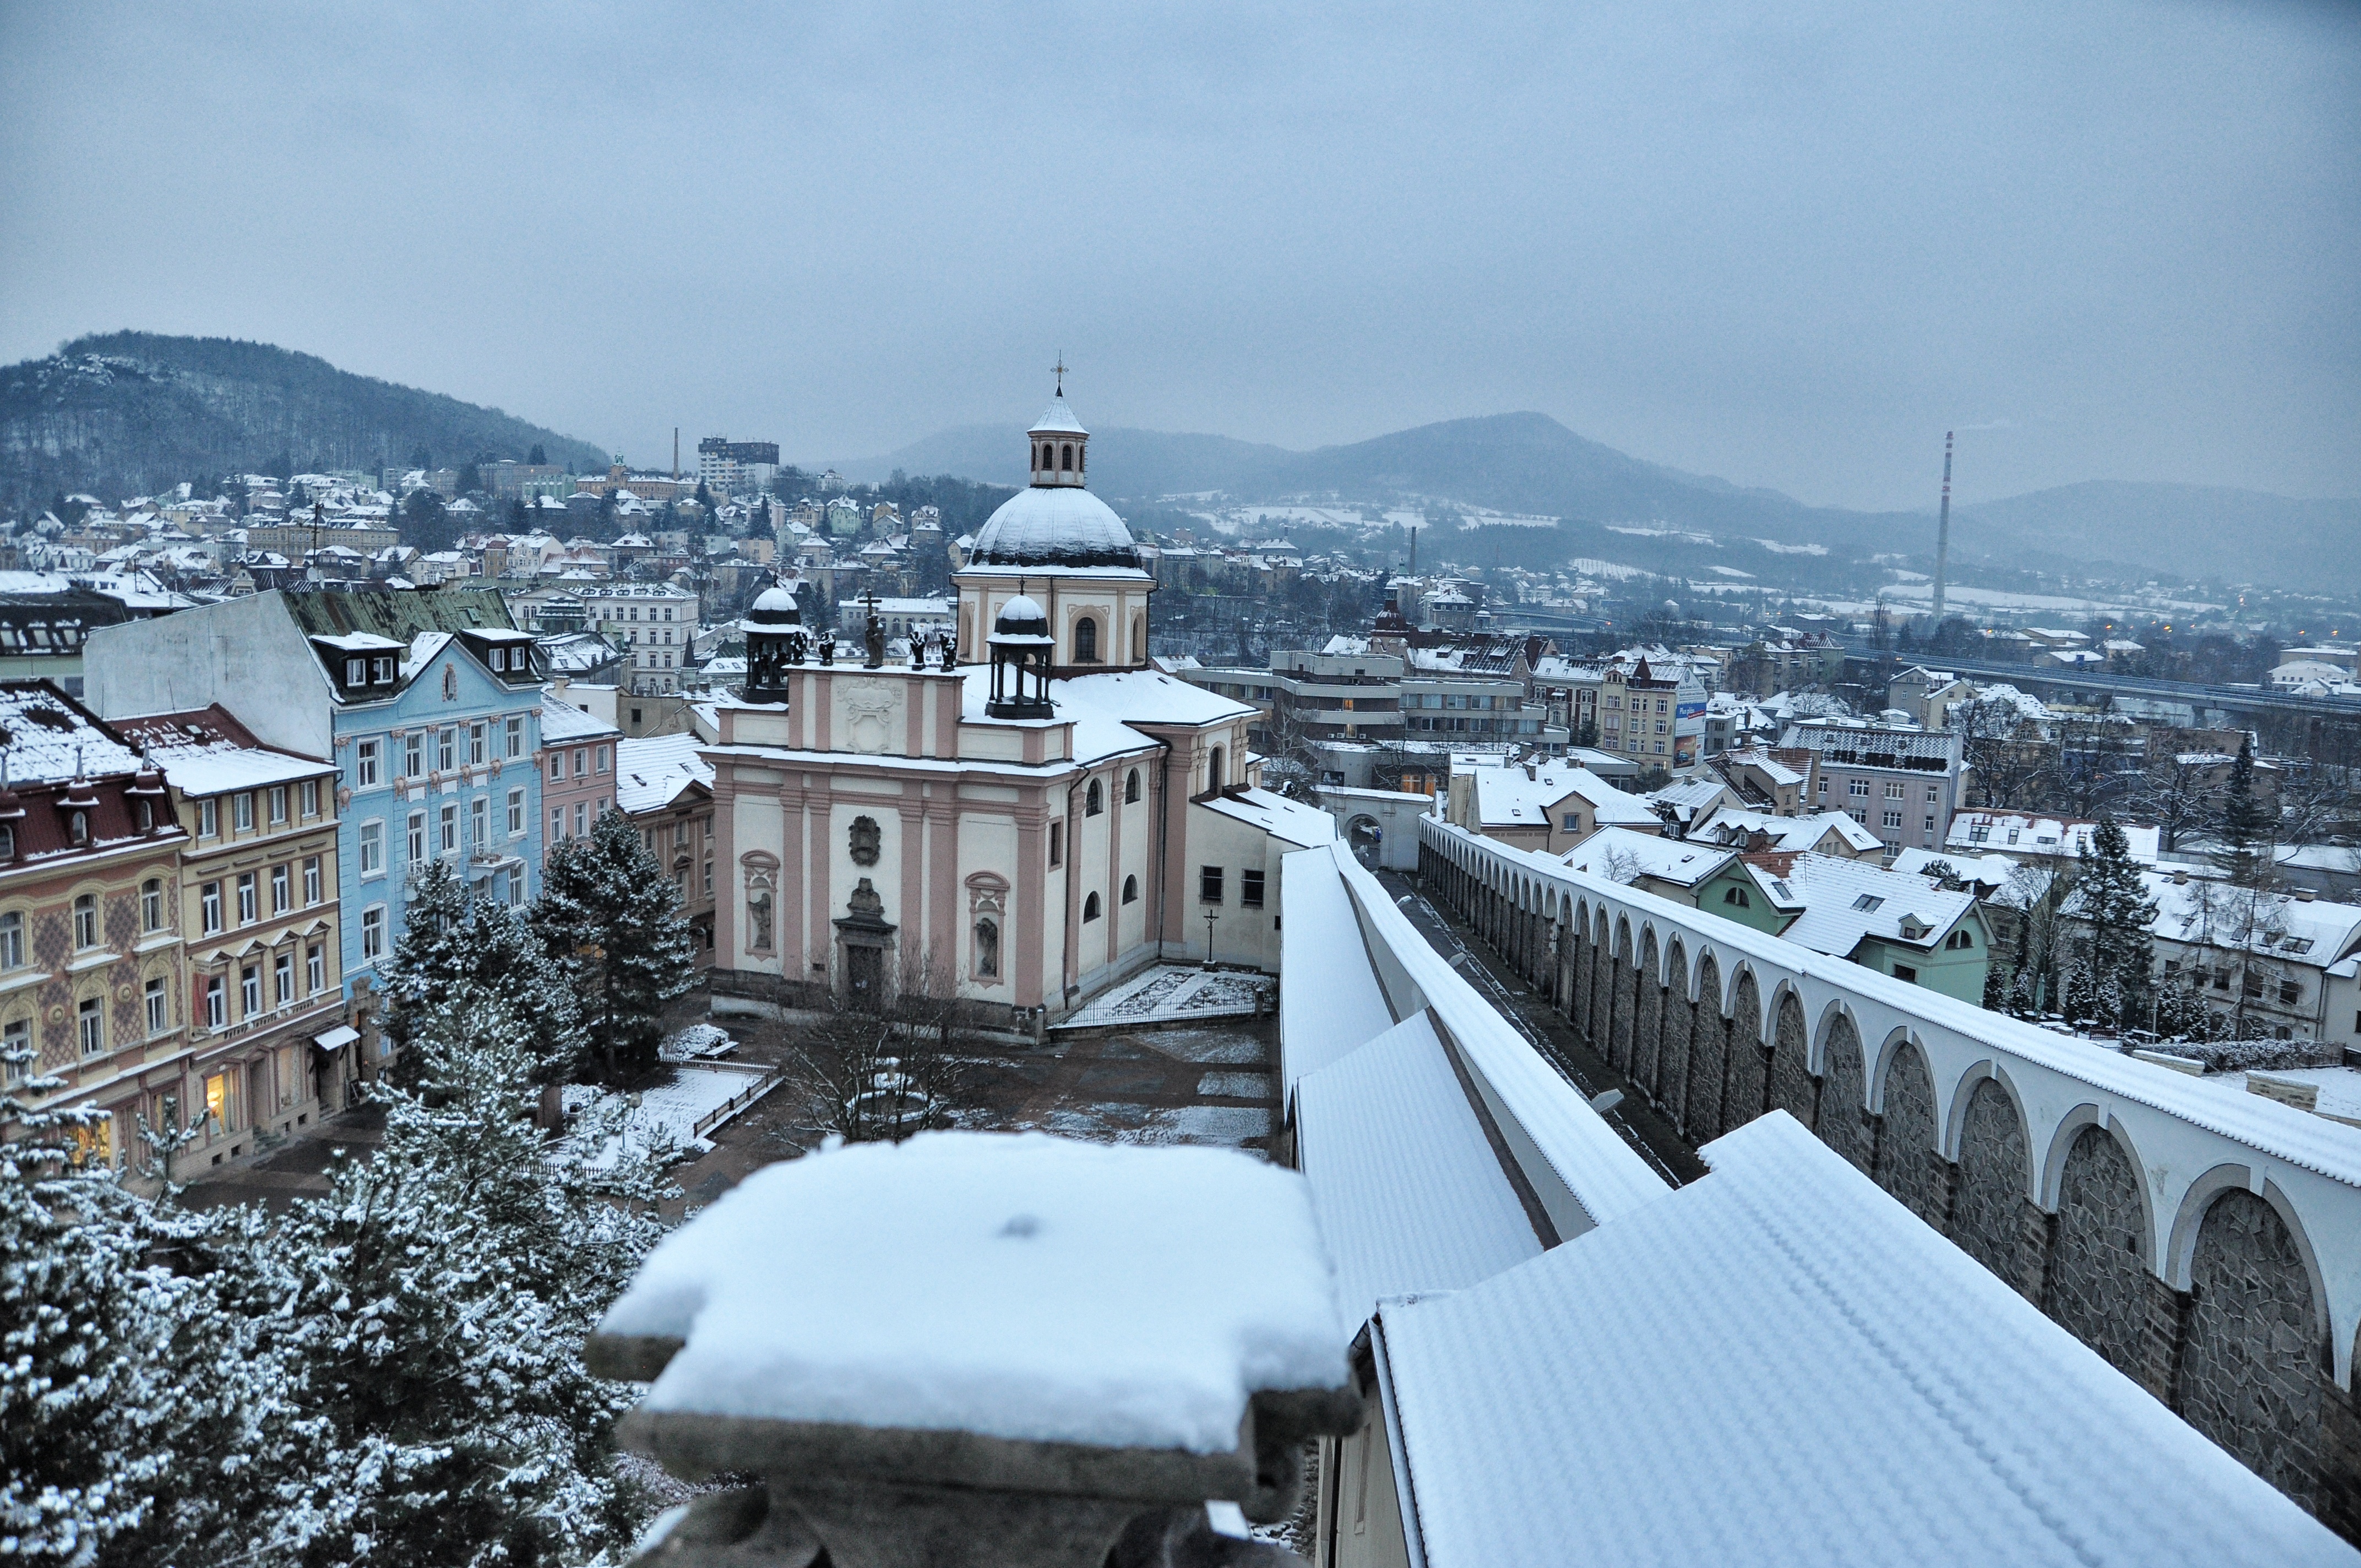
(698, 1040)
(1728, 572)
(2340, 1087)
(1105, 1296)
(667, 1114)
(1599, 568)
(1173, 993)
(1776, 548)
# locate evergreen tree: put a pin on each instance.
(430, 1314)
(538, 457)
(2113, 903)
(454, 945)
(610, 919)
(2247, 826)
(2081, 993)
(1995, 989)
(2020, 993)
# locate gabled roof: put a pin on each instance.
(1847, 900)
(1620, 853)
(1506, 796)
(1735, 826)
(209, 751)
(655, 771)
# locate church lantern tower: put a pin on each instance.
(1022, 650)
(774, 642)
(1061, 445)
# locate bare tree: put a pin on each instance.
(2004, 749)
(2173, 794)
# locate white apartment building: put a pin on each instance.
(653, 624)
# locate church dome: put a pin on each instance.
(1021, 620)
(1054, 526)
(773, 609)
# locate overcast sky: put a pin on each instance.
(1784, 245)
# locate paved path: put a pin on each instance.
(1643, 1126)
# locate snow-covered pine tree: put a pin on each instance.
(2114, 906)
(432, 1314)
(1995, 989)
(2020, 993)
(2248, 827)
(2179, 1013)
(2081, 992)
(610, 919)
(453, 941)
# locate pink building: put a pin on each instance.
(578, 769)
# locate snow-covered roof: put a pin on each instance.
(1054, 526)
(1101, 708)
(561, 723)
(1846, 901)
(2020, 833)
(2312, 932)
(209, 751)
(1329, 999)
(1631, 1391)
(1624, 855)
(1506, 796)
(1290, 821)
(651, 772)
(1392, 1106)
(1018, 1285)
(46, 739)
(1733, 825)
(1983, 870)
(1057, 420)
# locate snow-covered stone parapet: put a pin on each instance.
(1094, 1328)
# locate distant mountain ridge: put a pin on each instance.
(130, 412)
(1529, 463)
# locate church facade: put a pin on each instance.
(1018, 818)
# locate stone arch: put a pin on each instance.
(1625, 1003)
(1680, 1022)
(1647, 1032)
(1992, 1198)
(1793, 1089)
(1909, 1163)
(1844, 1124)
(2249, 1375)
(2097, 1286)
(1708, 1055)
(1748, 1075)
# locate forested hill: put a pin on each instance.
(129, 414)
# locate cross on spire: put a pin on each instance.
(1061, 372)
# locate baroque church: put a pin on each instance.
(1018, 817)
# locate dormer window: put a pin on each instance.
(356, 672)
(381, 672)
(78, 827)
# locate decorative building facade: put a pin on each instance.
(1016, 818)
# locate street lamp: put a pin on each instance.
(1209, 939)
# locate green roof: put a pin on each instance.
(403, 614)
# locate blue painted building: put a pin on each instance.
(425, 699)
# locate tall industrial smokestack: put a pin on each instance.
(1943, 532)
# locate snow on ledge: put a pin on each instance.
(1016, 1285)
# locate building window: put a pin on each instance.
(416, 847)
(1892, 819)
(278, 805)
(1057, 843)
(1858, 788)
(556, 823)
(1209, 884)
(476, 754)
(283, 978)
(1250, 888)
(12, 941)
(599, 756)
(1131, 889)
(446, 747)
(1131, 787)
(1904, 971)
(16, 1045)
(159, 1008)
(216, 1003)
(582, 817)
(315, 969)
(209, 908)
(449, 839)
(515, 735)
(208, 819)
(250, 989)
(281, 898)
(1094, 800)
(90, 1023)
(247, 914)
(516, 885)
(1930, 825)
(1934, 793)
(311, 879)
(311, 796)
(557, 767)
(372, 933)
(85, 921)
(1086, 641)
(242, 811)
(1089, 908)
(1893, 789)
(152, 905)
(372, 841)
(516, 814)
(479, 820)
(414, 754)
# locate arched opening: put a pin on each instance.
(1091, 908)
(1213, 775)
(1131, 889)
(1131, 787)
(1086, 641)
(1041, 459)
(1995, 1181)
(2248, 1367)
(1680, 1019)
(987, 950)
(1094, 800)
(1709, 1048)
(1749, 1073)
(2097, 1287)
(1843, 1122)
(1647, 1036)
(1067, 457)
(1792, 1089)
(1909, 1165)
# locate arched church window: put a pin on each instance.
(1091, 908)
(1043, 461)
(1094, 800)
(1086, 641)
(1131, 788)
(987, 950)
(1214, 770)
(1131, 889)
(1067, 460)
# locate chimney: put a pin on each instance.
(2181, 879)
